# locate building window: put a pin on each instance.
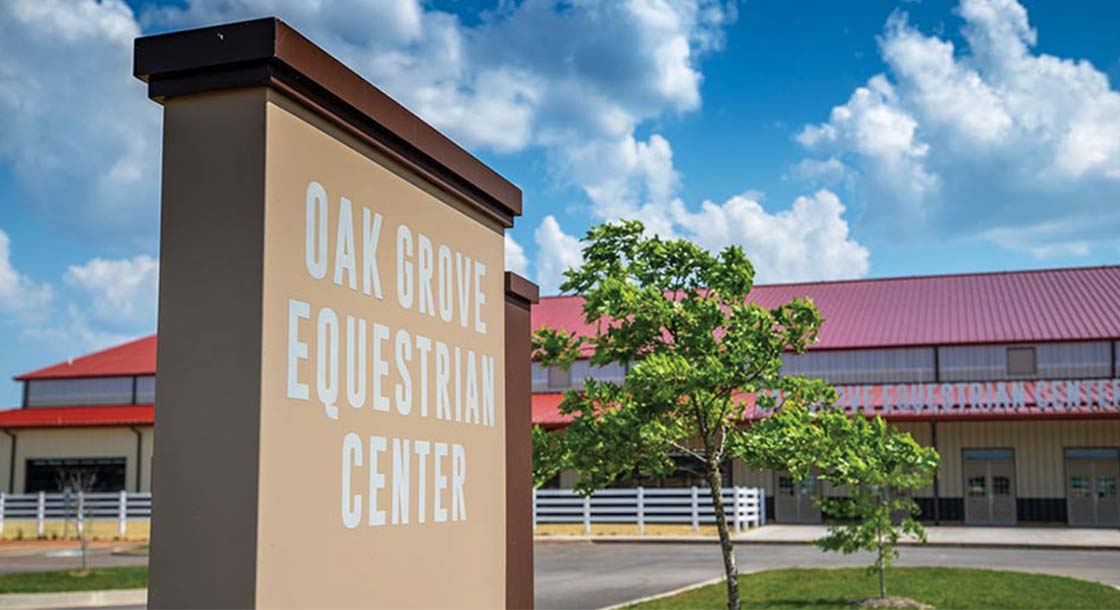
(808, 485)
(1079, 487)
(559, 378)
(977, 487)
(1106, 486)
(1021, 361)
(146, 390)
(785, 486)
(54, 475)
(80, 391)
(1001, 486)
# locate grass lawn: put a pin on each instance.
(69, 580)
(940, 587)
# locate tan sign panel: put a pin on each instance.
(382, 398)
(335, 336)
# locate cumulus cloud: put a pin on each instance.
(516, 261)
(21, 298)
(80, 137)
(808, 241)
(96, 305)
(575, 80)
(556, 253)
(826, 172)
(120, 293)
(991, 140)
(572, 78)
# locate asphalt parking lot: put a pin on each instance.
(585, 575)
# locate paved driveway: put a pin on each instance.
(584, 575)
(41, 556)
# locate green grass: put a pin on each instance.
(940, 587)
(97, 579)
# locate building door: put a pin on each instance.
(1091, 480)
(796, 501)
(989, 487)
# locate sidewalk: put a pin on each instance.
(944, 536)
(947, 535)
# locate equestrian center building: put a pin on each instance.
(1012, 376)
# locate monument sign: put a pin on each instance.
(335, 351)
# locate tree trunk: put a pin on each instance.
(731, 572)
(879, 536)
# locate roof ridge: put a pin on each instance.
(893, 278)
(71, 361)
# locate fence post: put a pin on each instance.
(736, 497)
(81, 513)
(122, 513)
(3, 502)
(587, 514)
(761, 494)
(534, 509)
(41, 513)
(695, 509)
(641, 510)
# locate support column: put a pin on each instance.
(521, 294)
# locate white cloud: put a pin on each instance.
(98, 304)
(574, 79)
(21, 298)
(541, 73)
(516, 261)
(556, 253)
(990, 140)
(808, 241)
(80, 137)
(828, 171)
(120, 293)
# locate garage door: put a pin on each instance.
(1091, 480)
(989, 487)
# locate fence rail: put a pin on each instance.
(81, 507)
(744, 506)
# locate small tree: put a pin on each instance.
(81, 482)
(879, 466)
(696, 350)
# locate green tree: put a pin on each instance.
(879, 466)
(677, 316)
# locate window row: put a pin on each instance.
(905, 365)
(91, 391)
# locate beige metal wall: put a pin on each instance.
(1039, 452)
(77, 443)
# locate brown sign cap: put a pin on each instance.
(267, 52)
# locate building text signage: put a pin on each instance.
(1050, 395)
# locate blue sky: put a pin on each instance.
(831, 140)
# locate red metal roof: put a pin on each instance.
(63, 417)
(1006, 307)
(133, 358)
(1021, 306)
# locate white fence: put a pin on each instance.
(81, 507)
(744, 506)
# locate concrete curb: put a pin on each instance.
(76, 599)
(748, 541)
(642, 600)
